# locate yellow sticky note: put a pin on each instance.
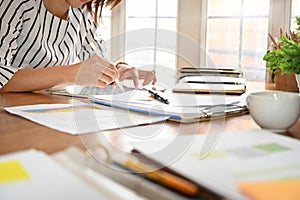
(12, 170)
(275, 190)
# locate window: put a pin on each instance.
(145, 37)
(227, 33)
(150, 35)
(237, 34)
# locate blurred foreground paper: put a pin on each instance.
(42, 178)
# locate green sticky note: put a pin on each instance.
(271, 147)
(11, 171)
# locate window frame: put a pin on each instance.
(193, 27)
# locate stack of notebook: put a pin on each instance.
(206, 71)
(210, 80)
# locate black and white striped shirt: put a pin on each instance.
(31, 37)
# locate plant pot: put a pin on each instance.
(286, 82)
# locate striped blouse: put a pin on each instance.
(31, 37)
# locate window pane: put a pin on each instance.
(223, 34)
(295, 12)
(139, 23)
(239, 39)
(224, 7)
(167, 23)
(255, 7)
(151, 48)
(223, 60)
(253, 50)
(167, 8)
(141, 8)
(295, 8)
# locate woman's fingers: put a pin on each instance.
(108, 75)
(96, 71)
(127, 72)
(148, 76)
(130, 73)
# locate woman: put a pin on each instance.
(40, 41)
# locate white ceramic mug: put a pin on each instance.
(275, 111)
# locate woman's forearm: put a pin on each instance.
(26, 80)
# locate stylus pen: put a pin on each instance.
(158, 97)
(99, 54)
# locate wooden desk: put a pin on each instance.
(17, 133)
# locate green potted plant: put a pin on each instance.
(284, 57)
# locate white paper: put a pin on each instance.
(81, 118)
(48, 180)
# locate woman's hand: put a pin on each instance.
(128, 72)
(99, 72)
(96, 71)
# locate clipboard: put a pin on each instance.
(178, 113)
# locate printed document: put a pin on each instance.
(80, 118)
